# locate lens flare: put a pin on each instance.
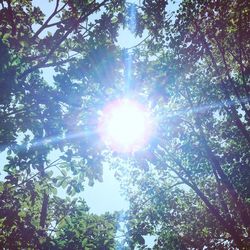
(125, 125)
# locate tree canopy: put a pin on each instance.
(189, 187)
(41, 119)
(198, 165)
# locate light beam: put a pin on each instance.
(125, 125)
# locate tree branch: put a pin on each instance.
(45, 25)
(213, 210)
(216, 166)
(223, 87)
(61, 40)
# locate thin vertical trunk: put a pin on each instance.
(217, 169)
(242, 209)
(223, 88)
(44, 210)
(212, 209)
(45, 202)
(231, 82)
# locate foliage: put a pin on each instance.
(47, 128)
(82, 231)
(191, 185)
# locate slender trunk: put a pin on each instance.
(241, 50)
(45, 202)
(231, 82)
(224, 178)
(224, 206)
(217, 169)
(212, 209)
(224, 90)
(44, 210)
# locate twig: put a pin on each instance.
(60, 41)
(44, 26)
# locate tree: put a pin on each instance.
(40, 119)
(82, 231)
(191, 185)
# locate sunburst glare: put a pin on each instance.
(125, 125)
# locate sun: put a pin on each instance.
(125, 125)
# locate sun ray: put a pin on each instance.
(125, 125)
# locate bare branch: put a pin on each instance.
(45, 25)
(61, 40)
